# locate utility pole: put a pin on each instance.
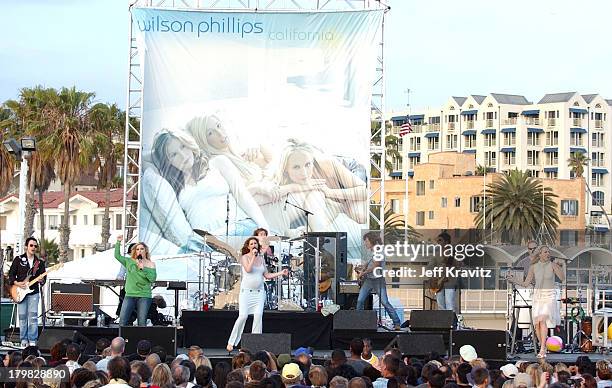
(407, 91)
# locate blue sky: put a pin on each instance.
(435, 48)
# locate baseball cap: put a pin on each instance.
(301, 351)
(509, 370)
(291, 371)
(144, 347)
(468, 353)
(522, 380)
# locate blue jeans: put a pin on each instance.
(142, 310)
(379, 286)
(446, 299)
(28, 318)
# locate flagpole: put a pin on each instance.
(406, 174)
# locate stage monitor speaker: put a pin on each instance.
(164, 336)
(276, 343)
(355, 320)
(431, 320)
(72, 297)
(333, 254)
(49, 337)
(349, 301)
(489, 344)
(419, 344)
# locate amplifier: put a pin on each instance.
(349, 288)
(72, 297)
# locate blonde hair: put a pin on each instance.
(293, 145)
(535, 371)
(198, 127)
(162, 376)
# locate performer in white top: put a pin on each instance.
(545, 307)
(252, 292)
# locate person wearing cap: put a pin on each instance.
(291, 375)
(509, 371)
(467, 353)
(282, 360)
(522, 380)
(303, 357)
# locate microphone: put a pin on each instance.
(255, 251)
(139, 258)
(286, 200)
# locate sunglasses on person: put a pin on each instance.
(33, 245)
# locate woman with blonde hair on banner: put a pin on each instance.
(252, 292)
(320, 184)
(545, 307)
(201, 186)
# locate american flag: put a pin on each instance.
(405, 128)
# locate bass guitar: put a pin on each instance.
(18, 294)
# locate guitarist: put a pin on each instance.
(371, 283)
(24, 267)
(446, 288)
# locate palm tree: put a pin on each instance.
(68, 143)
(514, 208)
(391, 146)
(7, 169)
(576, 162)
(42, 174)
(107, 129)
(394, 227)
(480, 170)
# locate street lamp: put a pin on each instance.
(21, 151)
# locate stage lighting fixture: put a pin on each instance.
(28, 144)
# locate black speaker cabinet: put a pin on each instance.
(419, 344)
(432, 320)
(164, 336)
(333, 252)
(489, 344)
(276, 343)
(49, 337)
(355, 320)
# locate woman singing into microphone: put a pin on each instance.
(140, 275)
(252, 293)
(545, 308)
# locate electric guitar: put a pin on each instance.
(359, 269)
(18, 294)
(436, 284)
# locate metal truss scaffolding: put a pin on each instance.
(133, 157)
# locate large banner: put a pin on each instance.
(252, 119)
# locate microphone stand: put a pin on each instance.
(306, 213)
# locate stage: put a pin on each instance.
(210, 330)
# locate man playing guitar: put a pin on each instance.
(25, 267)
(369, 282)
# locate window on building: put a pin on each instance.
(82, 253)
(415, 144)
(444, 202)
(74, 220)
(576, 139)
(569, 207)
(2, 222)
(451, 141)
(490, 140)
(420, 218)
(551, 175)
(432, 184)
(552, 138)
(470, 141)
(552, 158)
(533, 158)
(457, 201)
(598, 198)
(533, 139)
(52, 222)
(413, 161)
(431, 214)
(433, 143)
(490, 159)
(568, 237)
(475, 204)
(85, 219)
(420, 188)
(395, 206)
(533, 173)
(510, 158)
(596, 179)
(118, 221)
(98, 218)
(510, 139)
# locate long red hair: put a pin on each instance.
(245, 247)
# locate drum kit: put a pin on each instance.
(223, 275)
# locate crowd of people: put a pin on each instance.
(150, 366)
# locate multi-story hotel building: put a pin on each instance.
(505, 132)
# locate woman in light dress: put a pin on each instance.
(545, 307)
